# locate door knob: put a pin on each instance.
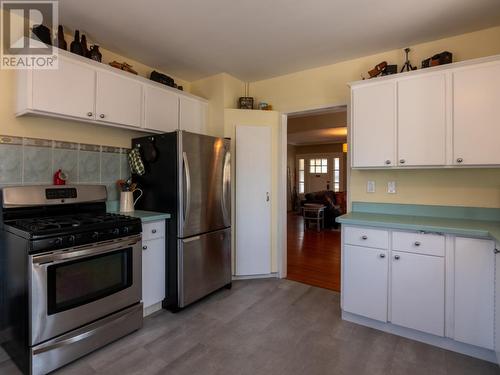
(417, 243)
(364, 237)
(402, 161)
(89, 114)
(382, 255)
(267, 196)
(387, 162)
(101, 115)
(396, 257)
(460, 160)
(144, 247)
(153, 231)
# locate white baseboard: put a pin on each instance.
(441, 342)
(248, 277)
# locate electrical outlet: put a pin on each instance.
(391, 187)
(370, 187)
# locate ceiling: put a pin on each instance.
(318, 128)
(318, 136)
(258, 39)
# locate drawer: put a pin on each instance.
(368, 237)
(419, 243)
(153, 229)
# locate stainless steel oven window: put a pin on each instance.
(78, 282)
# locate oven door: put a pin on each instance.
(72, 287)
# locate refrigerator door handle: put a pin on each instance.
(187, 187)
(226, 171)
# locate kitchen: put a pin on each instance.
(86, 117)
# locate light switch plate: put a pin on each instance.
(370, 187)
(391, 187)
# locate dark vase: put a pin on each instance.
(95, 54)
(86, 51)
(76, 46)
(60, 42)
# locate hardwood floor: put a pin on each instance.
(313, 257)
(265, 327)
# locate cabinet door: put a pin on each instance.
(119, 99)
(417, 292)
(365, 282)
(153, 271)
(474, 291)
(476, 115)
(68, 90)
(373, 125)
(193, 115)
(422, 121)
(161, 109)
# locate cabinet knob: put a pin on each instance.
(382, 255)
(402, 161)
(102, 115)
(89, 114)
(460, 160)
(387, 162)
(153, 231)
(396, 257)
(417, 243)
(144, 247)
(364, 237)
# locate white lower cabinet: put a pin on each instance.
(474, 291)
(417, 292)
(365, 282)
(153, 269)
(441, 285)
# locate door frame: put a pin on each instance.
(329, 155)
(282, 176)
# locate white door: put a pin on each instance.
(153, 271)
(474, 291)
(119, 99)
(253, 200)
(193, 115)
(161, 109)
(374, 125)
(476, 115)
(417, 292)
(497, 303)
(422, 121)
(68, 90)
(365, 282)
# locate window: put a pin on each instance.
(317, 166)
(336, 174)
(301, 176)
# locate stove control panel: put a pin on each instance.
(60, 193)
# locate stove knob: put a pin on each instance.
(72, 239)
(125, 230)
(58, 241)
(95, 235)
(116, 231)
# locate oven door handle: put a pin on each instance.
(85, 251)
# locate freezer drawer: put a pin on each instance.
(204, 265)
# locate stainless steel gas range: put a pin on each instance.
(71, 274)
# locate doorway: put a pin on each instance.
(316, 185)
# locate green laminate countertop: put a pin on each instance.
(430, 220)
(145, 216)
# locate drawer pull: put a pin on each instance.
(396, 257)
(417, 243)
(153, 231)
(382, 255)
(144, 247)
(364, 237)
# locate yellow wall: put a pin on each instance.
(327, 85)
(235, 117)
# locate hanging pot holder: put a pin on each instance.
(135, 162)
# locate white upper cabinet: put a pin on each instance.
(118, 100)
(193, 115)
(84, 90)
(438, 117)
(476, 115)
(374, 130)
(69, 90)
(422, 120)
(161, 109)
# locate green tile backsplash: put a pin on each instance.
(34, 161)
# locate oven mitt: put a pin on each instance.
(135, 162)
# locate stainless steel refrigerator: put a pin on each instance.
(188, 176)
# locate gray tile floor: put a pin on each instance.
(266, 327)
